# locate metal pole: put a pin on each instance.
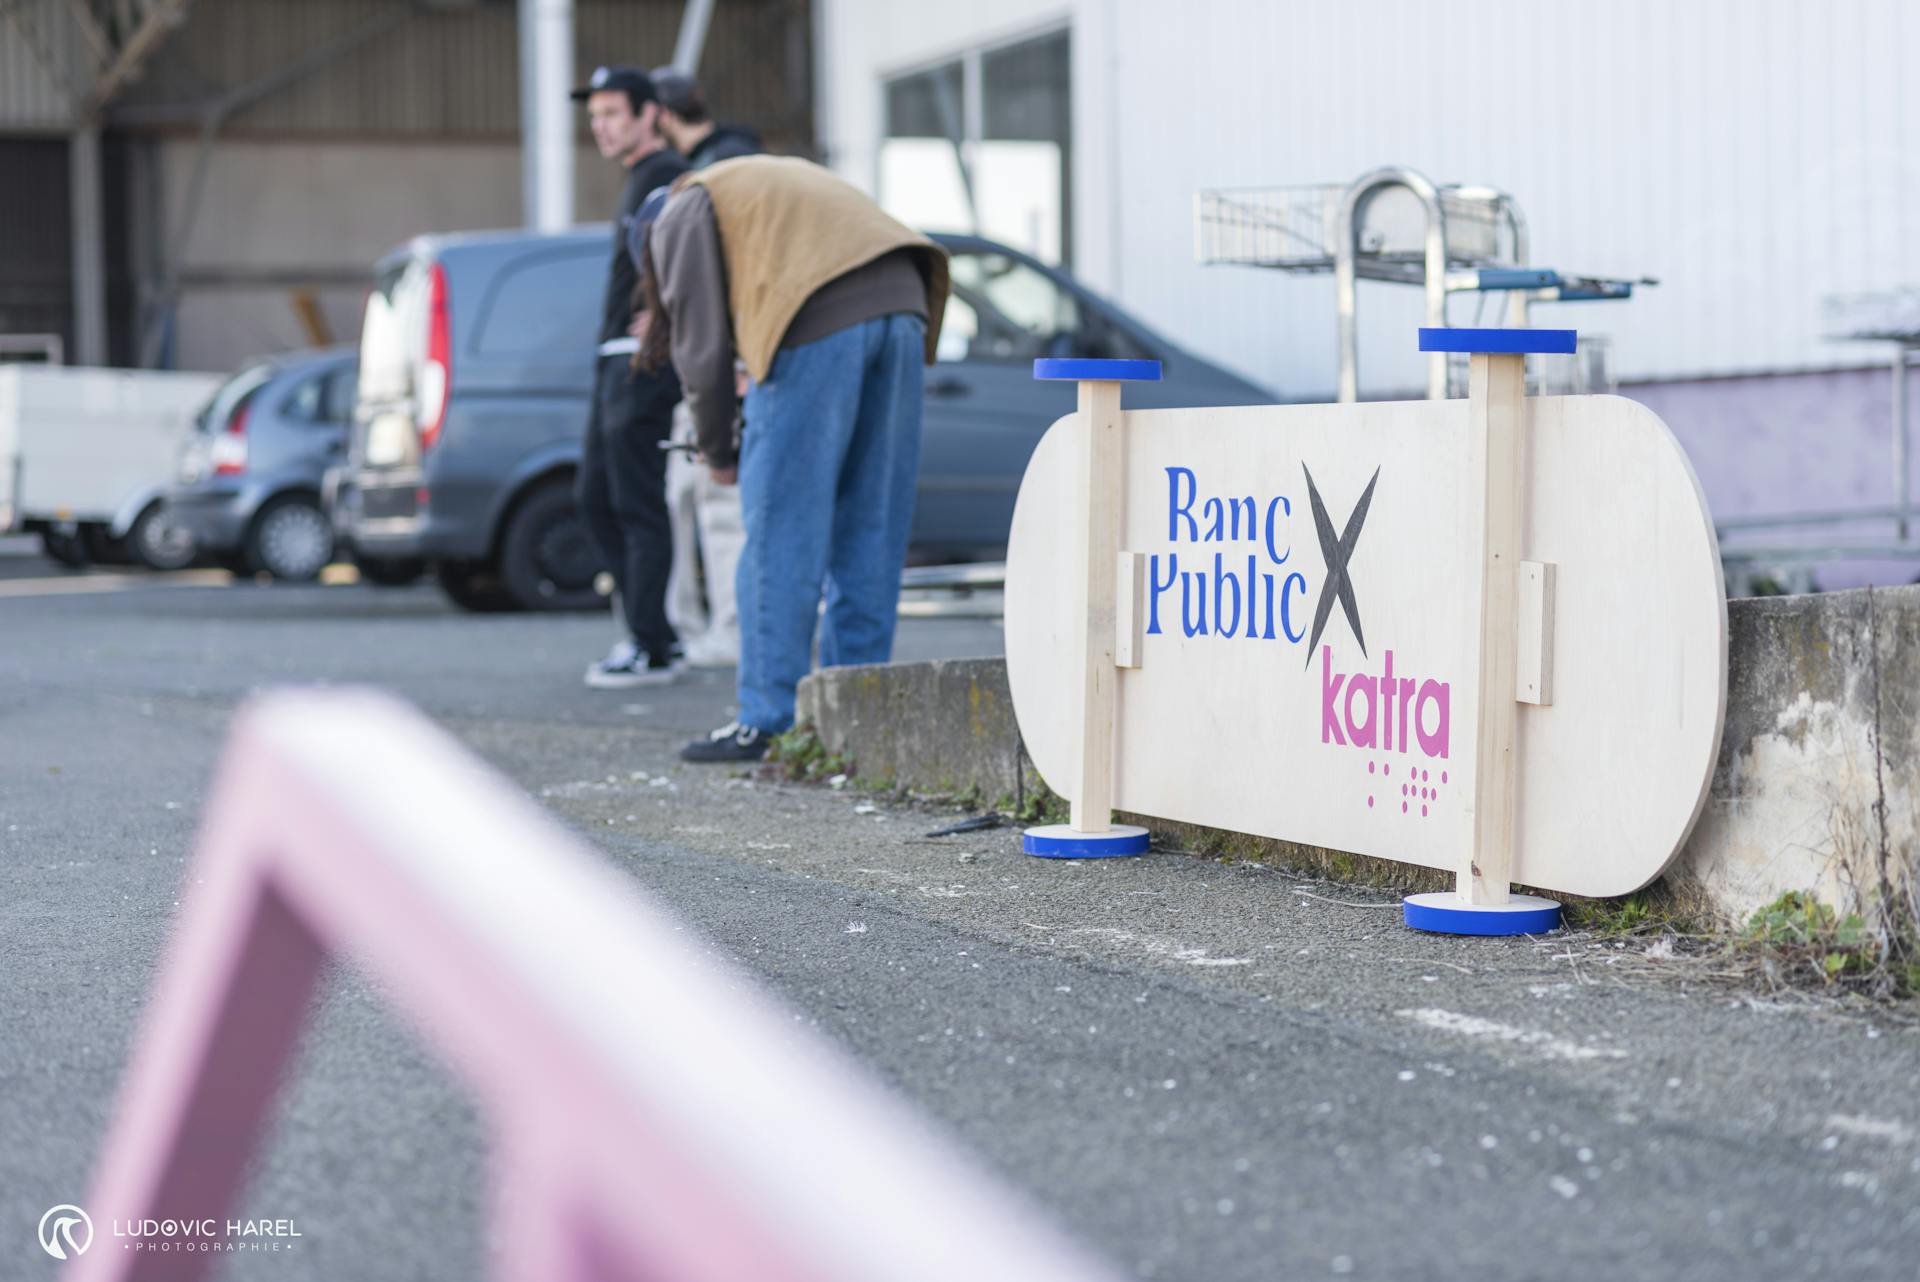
(1518, 299)
(529, 115)
(546, 115)
(89, 247)
(1353, 210)
(692, 41)
(1344, 299)
(1436, 282)
(1902, 485)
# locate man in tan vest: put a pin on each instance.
(834, 308)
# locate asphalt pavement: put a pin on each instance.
(1203, 1071)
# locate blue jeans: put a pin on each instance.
(828, 461)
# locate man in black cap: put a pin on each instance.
(622, 481)
(690, 130)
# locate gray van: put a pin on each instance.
(476, 363)
(476, 356)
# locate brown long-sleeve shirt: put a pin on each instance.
(690, 264)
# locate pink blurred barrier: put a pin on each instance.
(655, 1117)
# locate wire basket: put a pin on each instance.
(1298, 228)
(1295, 228)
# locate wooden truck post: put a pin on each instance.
(1482, 902)
(1090, 832)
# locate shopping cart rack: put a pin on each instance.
(1446, 239)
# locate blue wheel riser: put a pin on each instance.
(1059, 841)
(1508, 341)
(1084, 370)
(1447, 914)
(1056, 841)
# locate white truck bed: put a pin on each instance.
(91, 445)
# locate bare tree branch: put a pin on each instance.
(158, 20)
(89, 25)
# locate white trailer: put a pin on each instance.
(85, 454)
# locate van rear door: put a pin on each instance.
(392, 349)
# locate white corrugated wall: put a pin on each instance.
(1754, 155)
(42, 59)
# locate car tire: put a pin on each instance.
(473, 587)
(158, 543)
(390, 572)
(547, 557)
(291, 539)
(69, 550)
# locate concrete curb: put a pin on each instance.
(942, 727)
(1815, 789)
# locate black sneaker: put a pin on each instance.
(621, 671)
(731, 742)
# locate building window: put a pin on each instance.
(983, 145)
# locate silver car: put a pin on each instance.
(248, 490)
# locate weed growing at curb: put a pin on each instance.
(1657, 910)
(1043, 806)
(1798, 939)
(1795, 948)
(799, 755)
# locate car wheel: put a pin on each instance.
(158, 542)
(69, 548)
(389, 572)
(473, 587)
(547, 558)
(291, 539)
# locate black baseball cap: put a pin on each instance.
(632, 81)
(678, 92)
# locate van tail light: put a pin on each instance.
(436, 373)
(229, 452)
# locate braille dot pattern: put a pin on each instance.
(1419, 788)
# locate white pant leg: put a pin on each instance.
(686, 608)
(722, 535)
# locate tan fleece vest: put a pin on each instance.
(787, 227)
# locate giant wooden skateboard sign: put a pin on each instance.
(1487, 636)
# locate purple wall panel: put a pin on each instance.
(1793, 443)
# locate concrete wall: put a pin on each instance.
(273, 219)
(940, 727)
(1816, 737)
(1823, 723)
